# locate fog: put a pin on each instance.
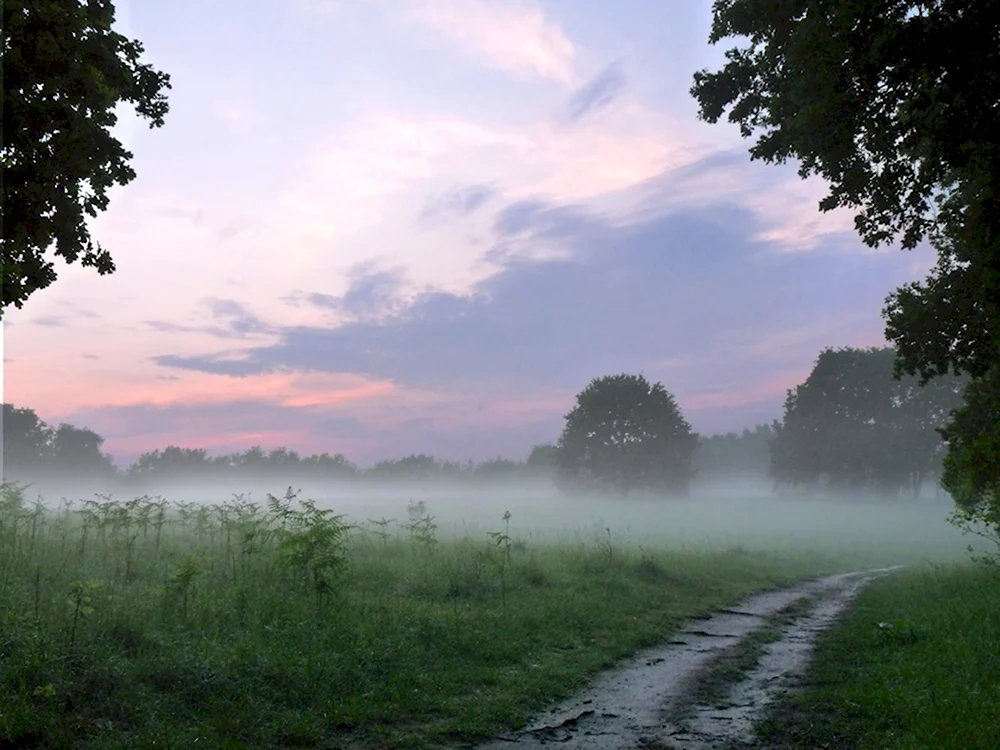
(738, 513)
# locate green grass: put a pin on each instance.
(243, 626)
(915, 664)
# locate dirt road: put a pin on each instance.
(705, 689)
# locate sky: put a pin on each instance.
(384, 227)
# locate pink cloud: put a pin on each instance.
(39, 381)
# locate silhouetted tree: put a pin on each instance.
(853, 426)
(33, 450)
(329, 467)
(972, 466)
(733, 455)
(542, 460)
(64, 72)
(251, 462)
(625, 434)
(282, 458)
(411, 467)
(173, 462)
(897, 105)
(455, 470)
(498, 469)
(76, 452)
(26, 442)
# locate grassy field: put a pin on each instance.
(915, 665)
(139, 623)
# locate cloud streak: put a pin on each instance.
(234, 321)
(598, 93)
(457, 202)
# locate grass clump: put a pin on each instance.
(915, 664)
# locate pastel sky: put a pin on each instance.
(381, 227)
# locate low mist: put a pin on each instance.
(737, 513)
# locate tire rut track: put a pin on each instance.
(648, 703)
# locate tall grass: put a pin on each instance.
(142, 623)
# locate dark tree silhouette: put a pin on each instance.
(735, 455)
(64, 71)
(26, 442)
(498, 469)
(76, 452)
(896, 103)
(411, 467)
(853, 426)
(626, 434)
(173, 462)
(972, 467)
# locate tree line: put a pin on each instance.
(34, 450)
(850, 427)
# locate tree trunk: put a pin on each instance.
(918, 484)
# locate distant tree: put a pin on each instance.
(223, 465)
(498, 469)
(835, 424)
(853, 426)
(455, 470)
(283, 458)
(542, 459)
(625, 434)
(795, 460)
(33, 450)
(733, 454)
(64, 72)
(252, 462)
(411, 467)
(26, 442)
(77, 452)
(256, 463)
(329, 467)
(173, 462)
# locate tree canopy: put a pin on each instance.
(32, 448)
(64, 71)
(542, 458)
(972, 467)
(624, 434)
(735, 455)
(853, 426)
(896, 103)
